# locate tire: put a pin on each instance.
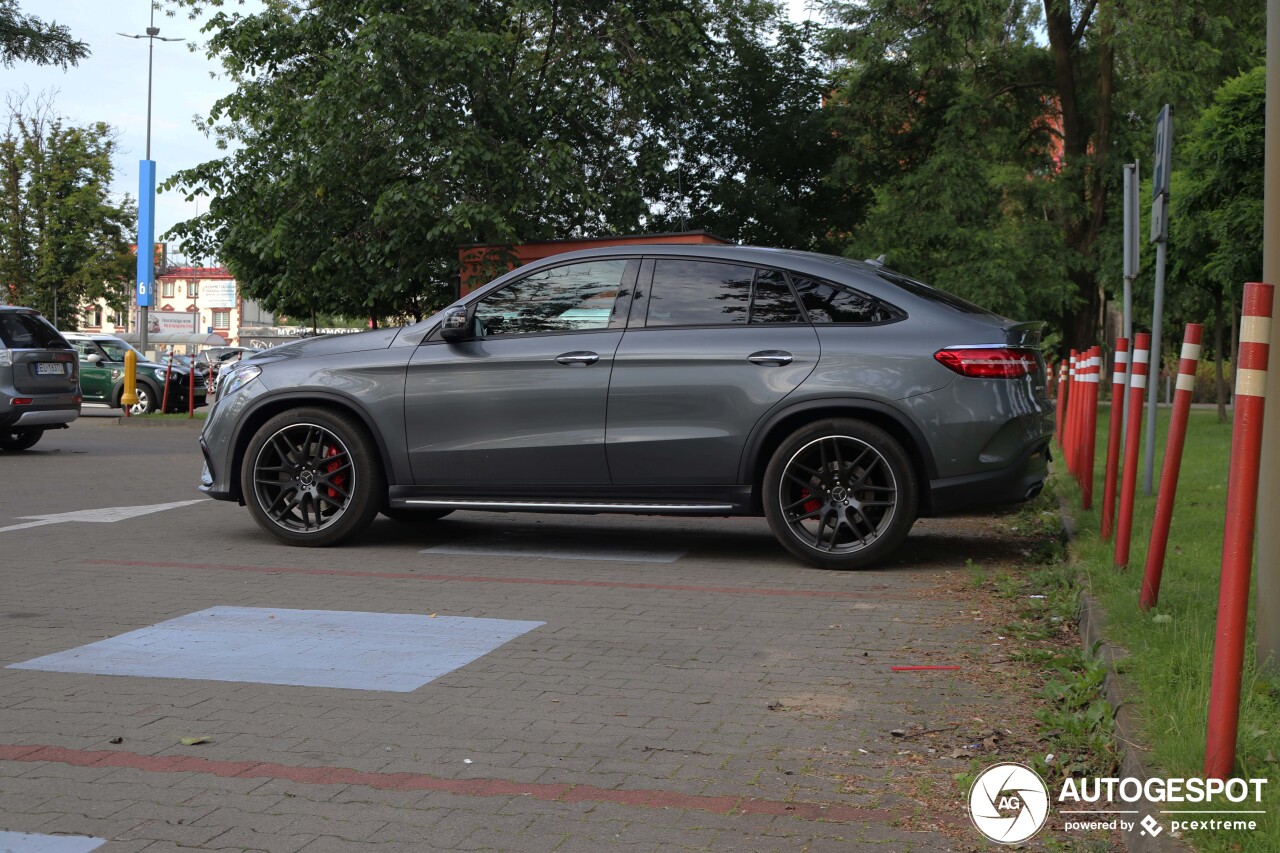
(414, 516)
(840, 494)
(19, 439)
(312, 477)
(146, 400)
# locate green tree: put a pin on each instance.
(1216, 221)
(754, 150)
(988, 133)
(25, 38)
(63, 239)
(368, 140)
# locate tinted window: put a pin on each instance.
(570, 298)
(827, 302)
(771, 300)
(28, 331)
(699, 293)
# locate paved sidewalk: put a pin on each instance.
(727, 700)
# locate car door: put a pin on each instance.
(522, 404)
(96, 381)
(710, 349)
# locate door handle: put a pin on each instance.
(578, 359)
(770, 356)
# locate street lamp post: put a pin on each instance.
(147, 199)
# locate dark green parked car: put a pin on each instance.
(102, 376)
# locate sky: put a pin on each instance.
(111, 86)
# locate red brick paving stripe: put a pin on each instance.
(346, 573)
(553, 793)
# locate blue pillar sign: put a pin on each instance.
(146, 232)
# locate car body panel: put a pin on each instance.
(503, 411)
(665, 429)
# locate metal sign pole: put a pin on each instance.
(1267, 599)
(1131, 244)
(1159, 236)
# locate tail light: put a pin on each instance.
(988, 362)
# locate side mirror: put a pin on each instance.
(93, 358)
(456, 326)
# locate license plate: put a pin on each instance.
(49, 369)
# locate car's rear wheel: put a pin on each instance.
(146, 400)
(312, 477)
(840, 494)
(414, 516)
(19, 439)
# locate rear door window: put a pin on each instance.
(28, 331)
(706, 293)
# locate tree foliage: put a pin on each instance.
(373, 138)
(752, 154)
(63, 239)
(990, 133)
(26, 38)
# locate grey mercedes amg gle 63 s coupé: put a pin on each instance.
(837, 398)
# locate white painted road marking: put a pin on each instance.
(107, 515)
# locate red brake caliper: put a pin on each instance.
(339, 480)
(809, 506)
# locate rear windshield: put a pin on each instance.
(933, 294)
(19, 330)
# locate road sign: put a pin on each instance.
(1163, 153)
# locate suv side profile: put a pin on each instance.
(39, 379)
(102, 376)
(837, 398)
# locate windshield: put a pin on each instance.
(116, 348)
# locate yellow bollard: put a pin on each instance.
(129, 398)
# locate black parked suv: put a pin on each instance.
(39, 378)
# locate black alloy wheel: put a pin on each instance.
(840, 494)
(312, 477)
(19, 439)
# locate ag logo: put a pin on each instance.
(1008, 803)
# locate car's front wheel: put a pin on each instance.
(840, 494)
(146, 400)
(312, 477)
(19, 439)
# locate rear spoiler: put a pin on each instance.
(1024, 334)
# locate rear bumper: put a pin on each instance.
(40, 415)
(1015, 483)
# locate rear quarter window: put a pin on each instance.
(828, 302)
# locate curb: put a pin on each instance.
(1127, 724)
(183, 423)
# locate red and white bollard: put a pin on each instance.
(1119, 381)
(1089, 424)
(1073, 392)
(1061, 397)
(1237, 543)
(1172, 465)
(1129, 475)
